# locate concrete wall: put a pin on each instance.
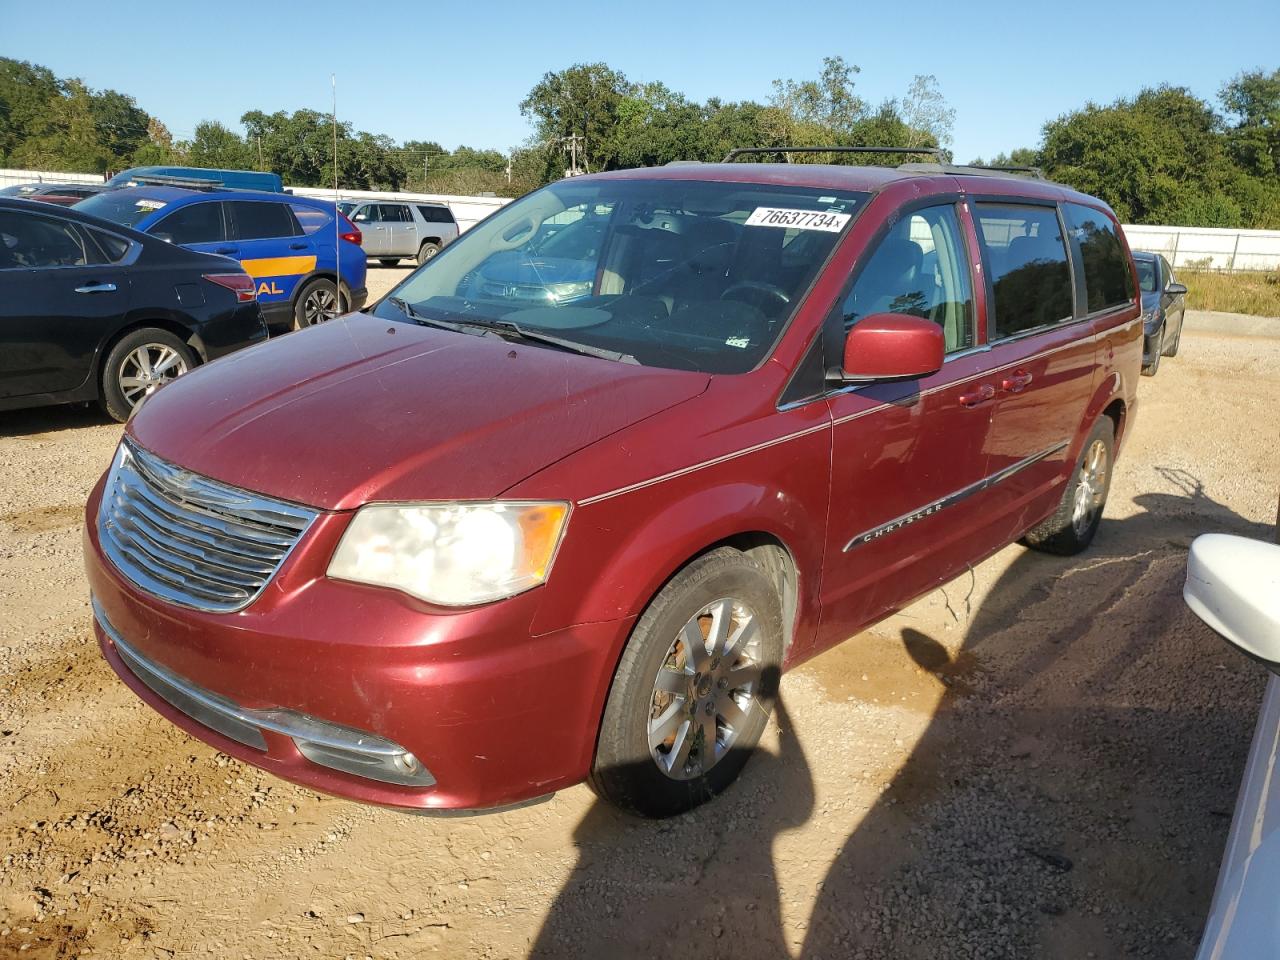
(468, 211)
(12, 178)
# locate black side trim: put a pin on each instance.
(951, 499)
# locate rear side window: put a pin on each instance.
(260, 220)
(30, 240)
(194, 223)
(396, 213)
(436, 214)
(1107, 280)
(1026, 262)
(310, 219)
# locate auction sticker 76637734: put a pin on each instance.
(797, 219)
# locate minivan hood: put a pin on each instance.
(363, 409)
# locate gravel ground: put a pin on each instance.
(1039, 760)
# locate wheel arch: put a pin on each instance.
(168, 324)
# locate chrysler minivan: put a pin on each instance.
(495, 537)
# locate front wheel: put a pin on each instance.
(1072, 526)
(319, 301)
(139, 365)
(693, 690)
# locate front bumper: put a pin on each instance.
(492, 715)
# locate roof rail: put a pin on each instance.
(742, 151)
(976, 169)
(190, 183)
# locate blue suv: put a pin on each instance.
(306, 268)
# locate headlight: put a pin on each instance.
(563, 292)
(455, 554)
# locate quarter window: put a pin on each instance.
(196, 223)
(113, 248)
(920, 268)
(1107, 280)
(1027, 265)
(262, 220)
(311, 219)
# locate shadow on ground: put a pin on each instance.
(1069, 798)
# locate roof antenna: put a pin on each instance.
(337, 213)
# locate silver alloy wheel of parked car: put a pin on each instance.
(148, 368)
(1092, 488)
(320, 304)
(705, 689)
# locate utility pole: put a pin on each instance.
(508, 168)
(260, 166)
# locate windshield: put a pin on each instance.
(346, 206)
(684, 274)
(1146, 275)
(120, 206)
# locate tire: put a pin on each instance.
(1071, 528)
(139, 365)
(1171, 349)
(389, 261)
(1151, 369)
(725, 587)
(318, 301)
(427, 251)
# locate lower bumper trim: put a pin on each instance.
(327, 744)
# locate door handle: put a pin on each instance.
(297, 246)
(979, 395)
(225, 251)
(1015, 382)
(97, 288)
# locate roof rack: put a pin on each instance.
(976, 170)
(743, 151)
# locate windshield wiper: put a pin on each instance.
(537, 336)
(473, 329)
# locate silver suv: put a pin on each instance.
(396, 229)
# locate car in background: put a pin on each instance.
(500, 543)
(63, 194)
(228, 179)
(394, 229)
(95, 311)
(307, 269)
(1233, 585)
(1163, 309)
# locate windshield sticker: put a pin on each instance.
(149, 204)
(797, 219)
(740, 342)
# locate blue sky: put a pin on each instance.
(456, 72)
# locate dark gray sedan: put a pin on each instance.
(1163, 307)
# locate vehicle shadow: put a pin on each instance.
(50, 419)
(701, 884)
(1069, 796)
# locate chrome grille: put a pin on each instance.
(191, 540)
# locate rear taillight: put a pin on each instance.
(241, 284)
(349, 231)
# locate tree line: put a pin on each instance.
(1162, 156)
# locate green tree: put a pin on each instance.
(215, 146)
(580, 102)
(1252, 100)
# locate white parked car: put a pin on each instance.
(395, 229)
(1233, 585)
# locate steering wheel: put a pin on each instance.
(757, 291)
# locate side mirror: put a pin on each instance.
(892, 346)
(1176, 289)
(1233, 585)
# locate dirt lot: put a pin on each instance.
(1040, 760)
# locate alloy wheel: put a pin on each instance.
(321, 304)
(705, 689)
(1091, 487)
(148, 368)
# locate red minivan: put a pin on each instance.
(564, 504)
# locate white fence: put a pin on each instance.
(468, 211)
(1209, 247)
(12, 178)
